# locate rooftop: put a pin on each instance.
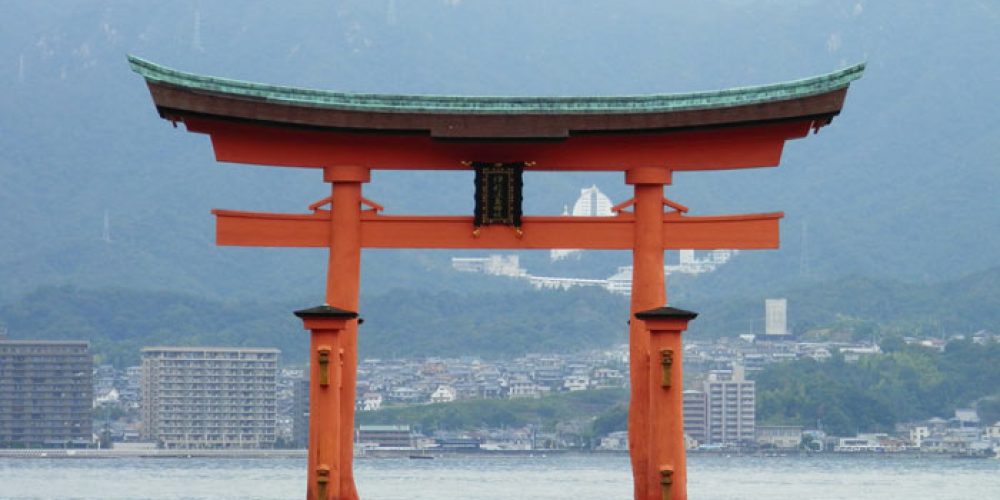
(650, 103)
(211, 349)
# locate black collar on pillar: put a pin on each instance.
(326, 311)
(666, 313)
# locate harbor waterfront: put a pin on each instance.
(596, 477)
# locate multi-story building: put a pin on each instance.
(694, 415)
(522, 387)
(300, 412)
(209, 397)
(385, 436)
(729, 407)
(46, 394)
(779, 436)
(591, 203)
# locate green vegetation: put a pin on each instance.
(407, 323)
(906, 384)
(497, 413)
(875, 393)
(612, 419)
(989, 409)
(119, 322)
(863, 308)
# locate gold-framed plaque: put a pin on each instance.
(499, 194)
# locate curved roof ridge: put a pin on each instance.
(643, 103)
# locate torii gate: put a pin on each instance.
(646, 137)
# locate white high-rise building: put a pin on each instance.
(729, 407)
(689, 263)
(591, 203)
(209, 397)
(721, 256)
(687, 257)
(621, 281)
(494, 265)
(776, 317)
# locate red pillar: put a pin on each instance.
(666, 401)
(648, 291)
(327, 325)
(342, 289)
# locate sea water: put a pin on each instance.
(578, 477)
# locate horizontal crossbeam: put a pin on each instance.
(712, 149)
(750, 231)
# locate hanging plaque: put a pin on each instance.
(498, 193)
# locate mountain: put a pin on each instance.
(866, 306)
(398, 323)
(902, 186)
(408, 323)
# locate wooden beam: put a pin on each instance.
(258, 229)
(710, 149)
(735, 232)
(751, 231)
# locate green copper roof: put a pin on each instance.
(500, 105)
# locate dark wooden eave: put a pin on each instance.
(178, 95)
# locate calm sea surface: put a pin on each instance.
(559, 477)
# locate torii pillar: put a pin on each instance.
(666, 471)
(333, 331)
(648, 292)
(343, 285)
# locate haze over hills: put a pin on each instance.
(490, 325)
(903, 185)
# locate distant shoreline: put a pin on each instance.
(398, 453)
(149, 453)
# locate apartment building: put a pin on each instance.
(46, 394)
(209, 397)
(729, 407)
(300, 412)
(385, 436)
(694, 415)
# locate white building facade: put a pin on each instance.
(209, 397)
(776, 317)
(730, 415)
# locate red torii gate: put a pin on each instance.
(646, 137)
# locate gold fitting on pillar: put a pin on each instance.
(322, 479)
(666, 482)
(323, 358)
(666, 363)
(340, 368)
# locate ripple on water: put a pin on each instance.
(597, 477)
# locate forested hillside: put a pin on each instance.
(906, 384)
(865, 306)
(398, 323)
(408, 323)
